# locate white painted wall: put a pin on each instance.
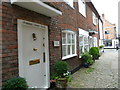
(83, 32)
(95, 42)
(101, 30)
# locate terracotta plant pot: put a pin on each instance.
(61, 83)
(52, 84)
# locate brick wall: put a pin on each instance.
(10, 15)
(86, 23)
(107, 26)
(70, 19)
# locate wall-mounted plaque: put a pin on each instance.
(32, 62)
(56, 43)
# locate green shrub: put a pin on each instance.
(53, 76)
(60, 68)
(16, 83)
(97, 49)
(102, 46)
(94, 51)
(97, 52)
(87, 58)
(90, 61)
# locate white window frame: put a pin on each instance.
(71, 55)
(91, 41)
(70, 3)
(95, 19)
(95, 42)
(80, 44)
(84, 34)
(82, 7)
(84, 45)
(87, 43)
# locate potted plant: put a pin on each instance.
(98, 53)
(101, 48)
(87, 60)
(62, 76)
(16, 83)
(94, 51)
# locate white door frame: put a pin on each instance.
(20, 48)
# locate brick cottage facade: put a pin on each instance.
(71, 20)
(67, 29)
(110, 33)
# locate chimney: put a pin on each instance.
(114, 24)
(103, 16)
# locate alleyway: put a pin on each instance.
(102, 74)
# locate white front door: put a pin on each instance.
(33, 54)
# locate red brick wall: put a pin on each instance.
(70, 19)
(86, 23)
(10, 15)
(109, 28)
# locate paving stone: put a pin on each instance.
(104, 75)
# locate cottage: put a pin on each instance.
(110, 34)
(37, 34)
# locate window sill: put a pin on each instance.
(69, 56)
(94, 24)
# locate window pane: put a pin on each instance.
(63, 50)
(73, 38)
(81, 40)
(107, 32)
(85, 40)
(73, 49)
(91, 42)
(68, 43)
(80, 44)
(68, 49)
(86, 48)
(80, 50)
(69, 38)
(82, 7)
(63, 38)
(94, 18)
(70, 2)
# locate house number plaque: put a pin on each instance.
(36, 61)
(56, 43)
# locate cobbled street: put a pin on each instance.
(102, 74)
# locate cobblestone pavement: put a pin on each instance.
(102, 74)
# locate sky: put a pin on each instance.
(109, 8)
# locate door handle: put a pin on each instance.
(44, 57)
